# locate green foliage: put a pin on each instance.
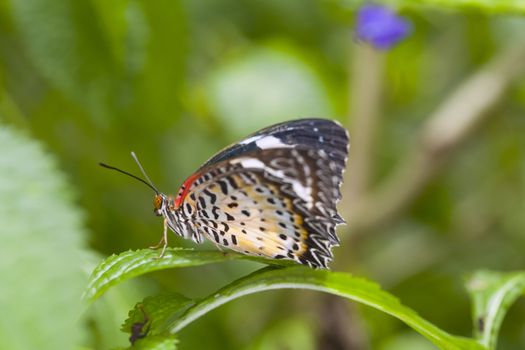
(66, 54)
(492, 294)
(157, 343)
(154, 343)
(170, 313)
(42, 250)
(89, 60)
(105, 317)
(153, 312)
(126, 265)
(344, 285)
(176, 81)
(293, 333)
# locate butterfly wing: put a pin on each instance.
(302, 133)
(274, 194)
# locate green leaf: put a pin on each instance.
(173, 312)
(294, 333)
(337, 283)
(153, 312)
(492, 294)
(109, 57)
(64, 41)
(41, 252)
(105, 316)
(158, 342)
(129, 264)
(164, 39)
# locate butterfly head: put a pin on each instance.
(163, 205)
(176, 218)
(160, 203)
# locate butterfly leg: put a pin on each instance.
(158, 245)
(164, 240)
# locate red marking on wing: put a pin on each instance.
(185, 188)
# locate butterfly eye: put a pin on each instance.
(157, 205)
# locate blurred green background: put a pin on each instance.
(175, 81)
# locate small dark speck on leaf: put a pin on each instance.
(481, 323)
(139, 330)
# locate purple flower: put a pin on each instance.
(380, 26)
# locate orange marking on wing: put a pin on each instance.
(185, 188)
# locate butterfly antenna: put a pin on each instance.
(131, 175)
(144, 172)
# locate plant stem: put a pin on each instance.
(366, 87)
(451, 123)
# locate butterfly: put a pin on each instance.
(272, 194)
